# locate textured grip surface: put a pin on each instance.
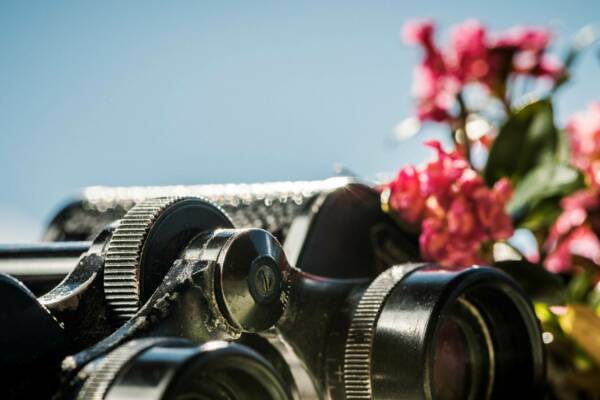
(97, 384)
(270, 206)
(359, 343)
(124, 251)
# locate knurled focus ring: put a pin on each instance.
(359, 342)
(123, 256)
(97, 384)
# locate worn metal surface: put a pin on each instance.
(271, 206)
(338, 324)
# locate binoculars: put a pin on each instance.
(288, 290)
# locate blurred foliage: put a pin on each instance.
(526, 146)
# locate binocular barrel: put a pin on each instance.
(173, 299)
(41, 266)
(167, 368)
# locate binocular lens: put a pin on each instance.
(172, 369)
(468, 334)
(221, 385)
(461, 357)
(486, 346)
(234, 378)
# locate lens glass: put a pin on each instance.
(222, 384)
(461, 355)
(226, 376)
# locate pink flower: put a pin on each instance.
(405, 195)
(581, 242)
(524, 38)
(491, 209)
(458, 214)
(437, 244)
(418, 32)
(584, 131)
(474, 56)
(528, 46)
(540, 65)
(584, 135)
(593, 173)
(443, 171)
(525, 61)
(573, 232)
(433, 87)
(468, 53)
(551, 67)
(435, 90)
(461, 221)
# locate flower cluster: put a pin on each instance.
(573, 233)
(583, 130)
(474, 55)
(459, 218)
(458, 215)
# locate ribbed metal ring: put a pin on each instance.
(359, 342)
(123, 256)
(97, 384)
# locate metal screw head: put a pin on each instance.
(264, 280)
(251, 285)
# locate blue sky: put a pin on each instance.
(155, 92)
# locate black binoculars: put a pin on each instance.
(290, 290)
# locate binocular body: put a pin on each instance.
(289, 290)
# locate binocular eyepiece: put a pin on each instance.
(167, 368)
(175, 301)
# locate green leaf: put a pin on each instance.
(528, 138)
(563, 150)
(580, 286)
(549, 179)
(540, 285)
(594, 300)
(540, 216)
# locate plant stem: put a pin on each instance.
(506, 106)
(462, 128)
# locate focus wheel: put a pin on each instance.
(359, 342)
(145, 244)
